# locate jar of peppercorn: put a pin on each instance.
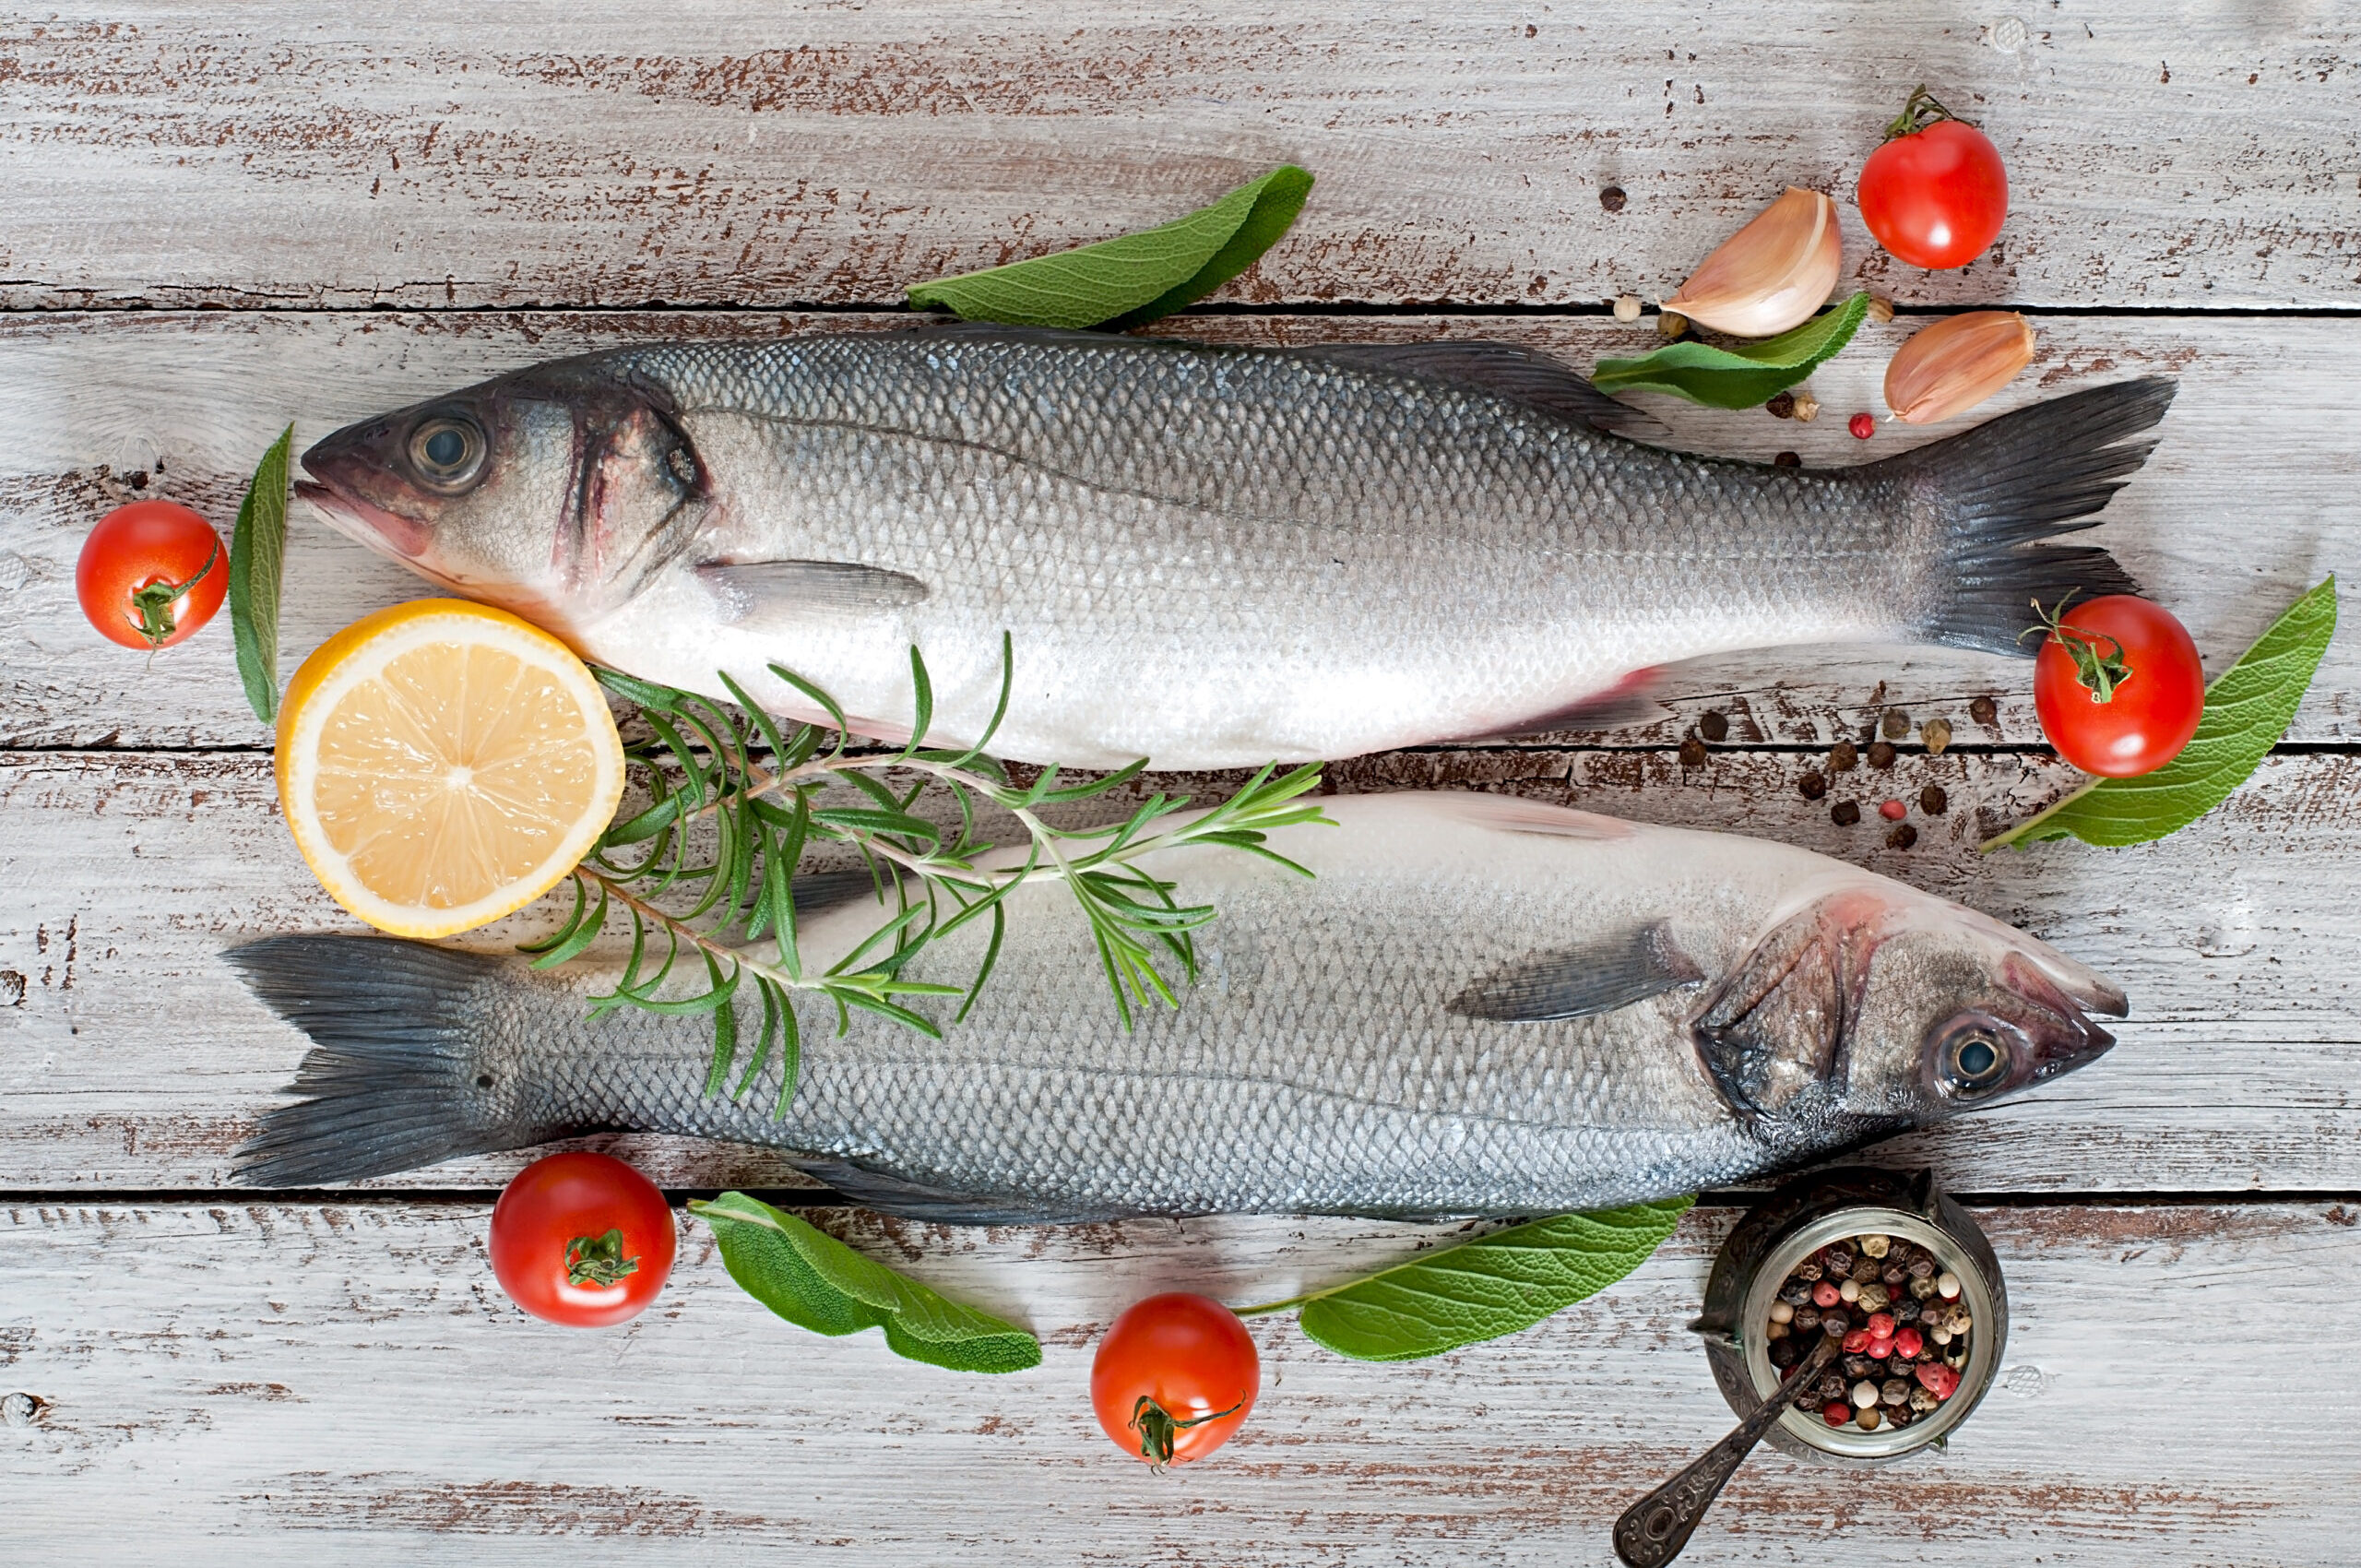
(1884, 1262)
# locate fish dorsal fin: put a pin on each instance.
(1505, 370)
(1514, 814)
(751, 592)
(915, 1200)
(1582, 981)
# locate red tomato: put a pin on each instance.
(1935, 195)
(582, 1240)
(150, 574)
(1174, 1378)
(2142, 660)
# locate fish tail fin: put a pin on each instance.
(1999, 489)
(392, 1080)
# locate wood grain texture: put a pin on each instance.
(130, 1058)
(2253, 496)
(264, 1384)
(446, 154)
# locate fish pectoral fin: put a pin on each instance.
(906, 1199)
(1505, 370)
(1582, 981)
(751, 592)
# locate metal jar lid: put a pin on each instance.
(1798, 1221)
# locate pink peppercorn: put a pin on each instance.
(1940, 1381)
(1881, 1348)
(1893, 811)
(1863, 426)
(1856, 1341)
(1824, 1295)
(1881, 1326)
(1837, 1414)
(1908, 1343)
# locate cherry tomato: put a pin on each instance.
(582, 1240)
(150, 574)
(1174, 1377)
(2119, 686)
(1935, 195)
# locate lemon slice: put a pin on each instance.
(444, 763)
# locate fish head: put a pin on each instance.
(1876, 1006)
(555, 492)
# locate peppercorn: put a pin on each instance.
(1830, 1385)
(1837, 1412)
(1842, 757)
(1983, 711)
(1863, 426)
(1793, 1294)
(1857, 1365)
(1933, 801)
(1899, 1417)
(1905, 1309)
(1881, 1325)
(1837, 1260)
(1874, 1297)
(1901, 838)
(1785, 1352)
(1807, 1271)
(1824, 1295)
(1835, 1325)
(1948, 1284)
(1845, 814)
(1812, 786)
(1715, 727)
(1922, 1286)
(1882, 755)
(1787, 461)
(1908, 1343)
(1923, 1400)
(1782, 405)
(1692, 752)
(1894, 1391)
(1612, 199)
(1868, 1419)
(1936, 733)
(1806, 1318)
(1857, 1342)
(1894, 725)
(1864, 1269)
(1893, 811)
(1864, 1393)
(1850, 1290)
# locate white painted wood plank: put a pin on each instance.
(290, 153)
(262, 1384)
(2250, 498)
(130, 1058)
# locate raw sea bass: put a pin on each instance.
(1209, 556)
(1480, 1005)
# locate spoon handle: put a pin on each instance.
(1653, 1530)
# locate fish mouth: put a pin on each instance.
(388, 533)
(2060, 1030)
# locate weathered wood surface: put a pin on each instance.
(289, 154)
(258, 1384)
(2253, 494)
(130, 1058)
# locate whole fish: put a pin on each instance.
(1208, 556)
(1479, 1005)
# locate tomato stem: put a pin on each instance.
(1157, 1429)
(2100, 674)
(155, 600)
(1922, 109)
(598, 1260)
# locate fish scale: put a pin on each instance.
(1323, 1063)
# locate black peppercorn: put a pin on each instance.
(1842, 757)
(1882, 755)
(1836, 1325)
(1845, 814)
(1895, 725)
(1795, 1293)
(1782, 405)
(1905, 1310)
(1983, 711)
(1893, 1273)
(1933, 801)
(1692, 752)
(1807, 1271)
(1837, 1261)
(1901, 838)
(1922, 1267)
(1807, 1318)
(1858, 1367)
(1612, 199)
(1787, 461)
(1786, 1353)
(1812, 786)
(1715, 727)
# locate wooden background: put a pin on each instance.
(213, 219)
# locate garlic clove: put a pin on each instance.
(1954, 364)
(1772, 274)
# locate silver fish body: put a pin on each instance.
(1207, 557)
(1478, 1006)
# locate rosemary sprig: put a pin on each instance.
(706, 869)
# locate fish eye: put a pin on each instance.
(1974, 1061)
(448, 452)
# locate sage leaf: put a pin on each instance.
(2248, 709)
(1486, 1286)
(816, 1282)
(1122, 282)
(257, 561)
(1741, 378)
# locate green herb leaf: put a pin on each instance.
(1122, 282)
(816, 1282)
(2248, 709)
(1486, 1287)
(1740, 377)
(257, 555)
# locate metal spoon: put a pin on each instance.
(1653, 1530)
